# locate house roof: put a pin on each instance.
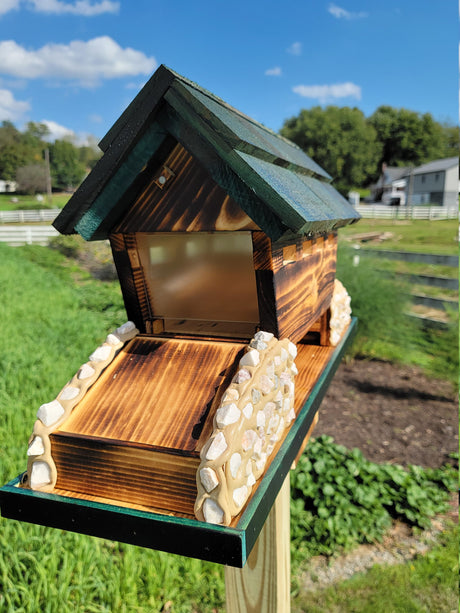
(271, 178)
(436, 166)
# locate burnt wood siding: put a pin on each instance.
(191, 201)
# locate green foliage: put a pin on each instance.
(66, 168)
(339, 140)
(408, 138)
(340, 499)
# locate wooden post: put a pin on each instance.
(263, 585)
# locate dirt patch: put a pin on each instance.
(392, 413)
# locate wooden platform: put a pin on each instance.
(137, 434)
(178, 532)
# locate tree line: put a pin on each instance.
(352, 147)
(30, 160)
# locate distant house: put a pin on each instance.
(435, 183)
(7, 186)
(391, 185)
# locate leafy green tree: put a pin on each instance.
(340, 140)
(408, 138)
(67, 170)
(451, 140)
(12, 151)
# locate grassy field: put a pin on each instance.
(15, 202)
(53, 316)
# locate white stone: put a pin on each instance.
(242, 375)
(101, 354)
(255, 395)
(40, 474)
(69, 393)
(248, 410)
(208, 477)
(235, 463)
(217, 447)
(269, 409)
(85, 372)
(212, 512)
(284, 354)
(260, 419)
(36, 447)
(270, 369)
(50, 412)
(294, 369)
(273, 424)
(259, 345)
(227, 414)
(290, 416)
(260, 464)
(231, 395)
(240, 495)
(287, 404)
(266, 384)
(266, 337)
(127, 327)
(251, 480)
(277, 360)
(112, 339)
(251, 358)
(248, 439)
(292, 349)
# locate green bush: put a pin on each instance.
(340, 499)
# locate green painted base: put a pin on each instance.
(187, 537)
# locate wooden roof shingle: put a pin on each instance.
(280, 187)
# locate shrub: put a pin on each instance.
(340, 499)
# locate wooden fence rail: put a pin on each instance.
(380, 211)
(37, 216)
(27, 235)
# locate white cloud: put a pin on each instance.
(58, 132)
(341, 13)
(8, 5)
(274, 72)
(87, 8)
(11, 109)
(295, 49)
(86, 62)
(325, 93)
(80, 7)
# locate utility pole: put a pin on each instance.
(48, 176)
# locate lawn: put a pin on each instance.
(15, 202)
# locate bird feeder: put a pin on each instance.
(181, 428)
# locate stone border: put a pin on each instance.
(254, 411)
(41, 470)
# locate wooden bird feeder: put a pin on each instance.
(224, 236)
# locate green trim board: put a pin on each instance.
(188, 537)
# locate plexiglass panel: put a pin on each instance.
(198, 280)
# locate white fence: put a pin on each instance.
(29, 216)
(27, 235)
(380, 211)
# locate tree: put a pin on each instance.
(340, 140)
(31, 178)
(408, 138)
(67, 170)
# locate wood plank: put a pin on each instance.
(156, 392)
(263, 584)
(190, 202)
(127, 473)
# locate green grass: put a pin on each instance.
(31, 203)
(427, 584)
(424, 236)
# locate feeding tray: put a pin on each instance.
(173, 531)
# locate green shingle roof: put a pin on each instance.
(256, 166)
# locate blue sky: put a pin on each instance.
(75, 65)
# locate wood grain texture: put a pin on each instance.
(263, 585)
(303, 288)
(157, 392)
(190, 202)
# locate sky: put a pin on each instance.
(76, 64)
